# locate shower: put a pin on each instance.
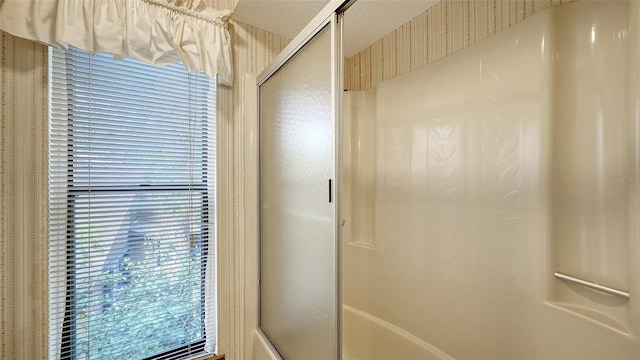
(465, 186)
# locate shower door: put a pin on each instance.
(298, 289)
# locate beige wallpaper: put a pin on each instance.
(441, 30)
(23, 199)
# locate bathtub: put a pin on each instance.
(366, 336)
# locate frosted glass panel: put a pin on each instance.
(297, 279)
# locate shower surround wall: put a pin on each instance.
(496, 167)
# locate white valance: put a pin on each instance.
(159, 32)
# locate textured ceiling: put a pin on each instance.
(282, 17)
(365, 22)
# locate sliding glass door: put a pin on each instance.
(298, 229)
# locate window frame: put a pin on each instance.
(204, 191)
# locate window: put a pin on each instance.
(132, 209)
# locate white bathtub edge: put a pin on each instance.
(400, 332)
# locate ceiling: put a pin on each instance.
(365, 22)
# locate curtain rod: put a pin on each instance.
(217, 20)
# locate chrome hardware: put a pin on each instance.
(592, 285)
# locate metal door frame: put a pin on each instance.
(330, 15)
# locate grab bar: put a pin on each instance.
(592, 285)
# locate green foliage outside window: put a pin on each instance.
(144, 307)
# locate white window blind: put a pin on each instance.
(132, 209)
